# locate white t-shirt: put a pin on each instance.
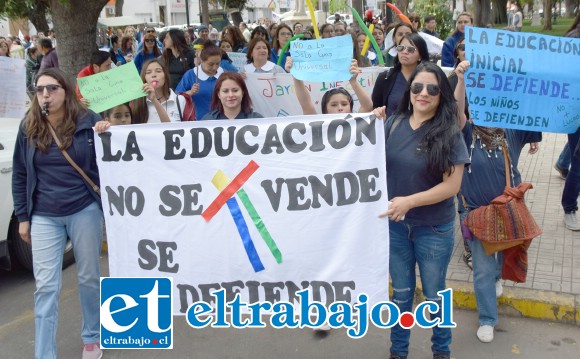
(170, 107)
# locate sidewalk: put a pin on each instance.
(552, 289)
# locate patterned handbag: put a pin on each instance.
(507, 221)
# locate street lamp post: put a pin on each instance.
(187, 11)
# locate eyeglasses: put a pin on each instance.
(149, 40)
(410, 49)
(50, 88)
(461, 47)
(286, 33)
(328, 32)
(432, 89)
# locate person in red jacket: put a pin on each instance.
(100, 62)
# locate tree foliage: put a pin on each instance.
(439, 9)
(34, 10)
(339, 6)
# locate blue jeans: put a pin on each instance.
(572, 185)
(49, 236)
(486, 271)
(431, 247)
(565, 157)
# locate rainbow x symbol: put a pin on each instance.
(228, 190)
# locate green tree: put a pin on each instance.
(76, 34)
(34, 10)
(439, 9)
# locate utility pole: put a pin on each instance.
(187, 12)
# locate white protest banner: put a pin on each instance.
(273, 95)
(239, 59)
(260, 207)
(111, 88)
(322, 60)
(13, 97)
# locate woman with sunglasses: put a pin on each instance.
(53, 202)
(390, 51)
(283, 35)
(390, 84)
(423, 143)
(464, 19)
(149, 51)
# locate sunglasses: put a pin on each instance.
(461, 47)
(149, 40)
(150, 31)
(410, 49)
(432, 89)
(415, 20)
(49, 88)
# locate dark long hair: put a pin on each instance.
(140, 110)
(178, 40)
(36, 126)
(442, 129)
(275, 42)
(417, 41)
(328, 94)
(216, 103)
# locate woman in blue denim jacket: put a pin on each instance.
(53, 202)
(425, 159)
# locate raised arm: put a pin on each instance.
(301, 93)
(460, 93)
(366, 104)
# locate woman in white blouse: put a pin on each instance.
(258, 56)
(160, 104)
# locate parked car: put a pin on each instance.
(13, 251)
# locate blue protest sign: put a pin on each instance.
(523, 81)
(322, 60)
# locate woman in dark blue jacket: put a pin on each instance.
(52, 202)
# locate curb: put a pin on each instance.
(520, 302)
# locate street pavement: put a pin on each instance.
(551, 293)
(515, 337)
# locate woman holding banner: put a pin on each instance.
(390, 84)
(423, 142)
(52, 202)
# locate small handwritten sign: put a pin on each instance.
(111, 88)
(239, 59)
(322, 60)
(523, 81)
(13, 95)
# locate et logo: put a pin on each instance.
(136, 313)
